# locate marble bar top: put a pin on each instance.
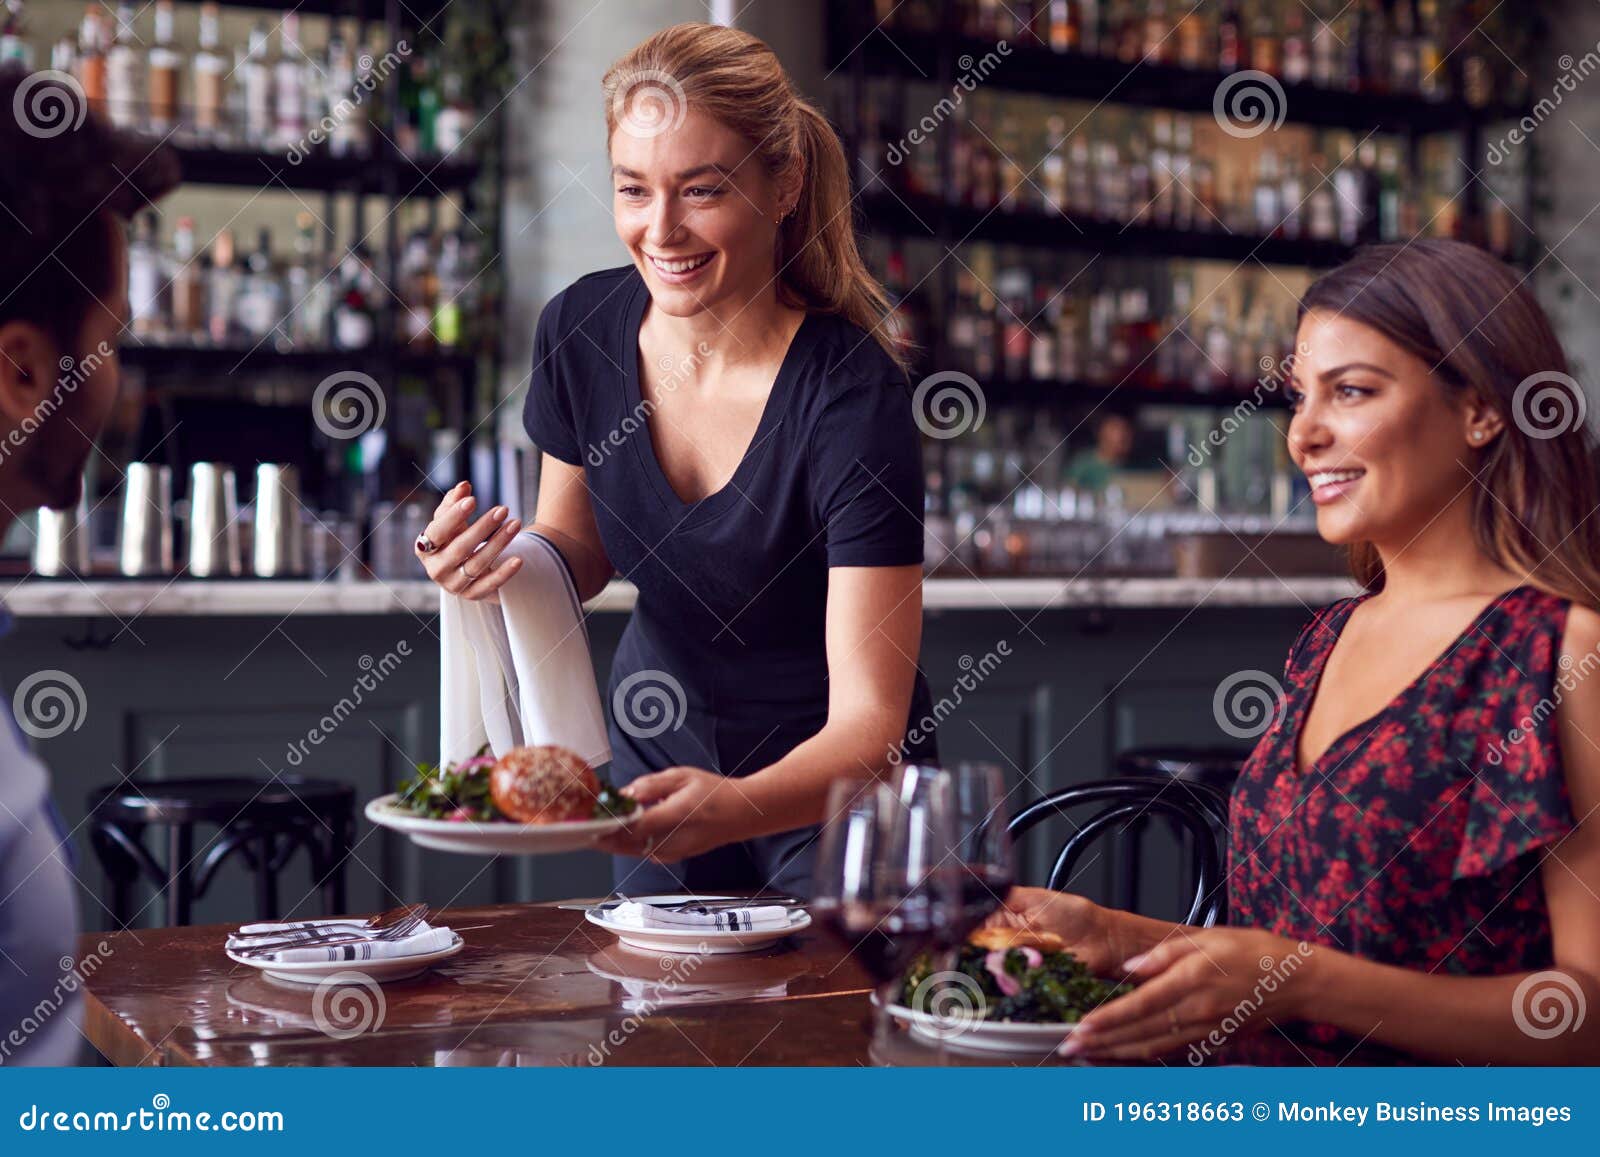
(127, 598)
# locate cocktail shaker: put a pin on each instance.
(144, 543)
(213, 521)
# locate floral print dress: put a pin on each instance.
(1416, 838)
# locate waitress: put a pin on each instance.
(726, 422)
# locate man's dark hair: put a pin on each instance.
(63, 169)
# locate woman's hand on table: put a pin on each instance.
(684, 811)
(1188, 985)
(456, 562)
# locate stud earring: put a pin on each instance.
(1477, 435)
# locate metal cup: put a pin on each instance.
(61, 546)
(213, 521)
(280, 536)
(144, 545)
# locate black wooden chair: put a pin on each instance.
(262, 822)
(1197, 809)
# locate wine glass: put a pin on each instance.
(882, 884)
(982, 848)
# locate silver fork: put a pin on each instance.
(370, 926)
(397, 931)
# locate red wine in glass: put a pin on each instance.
(883, 938)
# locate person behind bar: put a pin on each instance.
(67, 184)
(1414, 862)
(726, 422)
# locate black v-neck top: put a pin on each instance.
(733, 587)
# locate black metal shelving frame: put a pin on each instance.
(859, 50)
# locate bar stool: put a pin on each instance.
(263, 821)
(1215, 767)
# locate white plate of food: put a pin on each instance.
(314, 972)
(1013, 991)
(697, 941)
(530, 801)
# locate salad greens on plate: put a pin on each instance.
(460, 792)
(1017, 984)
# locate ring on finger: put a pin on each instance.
(426, 545)
(649, 843)
(470, 576)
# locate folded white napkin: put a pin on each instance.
(759, 918)
(425, 939)
(519, 672)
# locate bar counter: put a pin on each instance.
(163, 597)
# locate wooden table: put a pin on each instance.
(537, 986)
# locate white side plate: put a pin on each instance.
(312, 972)
(689, 941)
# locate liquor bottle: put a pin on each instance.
(14, 46)
(1183, 205)
(455, 277)
(1391, 223)
(1291, 200)
(260, 304)
(1475, 72)
(1296, 50)
(125, 84)
(962, 331)
(1268, 191)
(1373, 45)
(350, 125)
(254, 82)
(1068, 340)
(1326, 60)
(1265, 47)
(64, 56)
(1062, 30)
(310, 295)
(1042, 344)
(1206, 202)
(288, 91)
(454, 124)
(1129, 30)
(1230, 38)
(1193, 42)
(354, 323)
(1322, 212)
(144, 279)
(1403, 49)
(222, 291)
(1014, 191)
(1053, 165)
(210, 71)
(1432, 79)
(164, 64)
(1158, 46)
(92, 42)
(188, 284)
(1161, 179)
(418, 290)
(1216, 367)
(1080, 176)
(1089, 25)
(985, 336)
(1015, 336)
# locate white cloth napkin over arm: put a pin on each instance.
(519, 672)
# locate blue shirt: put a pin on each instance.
(40, 989)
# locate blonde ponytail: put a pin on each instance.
(737, 80)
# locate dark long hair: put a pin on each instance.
(1471, 318)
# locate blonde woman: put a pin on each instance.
(725, 422)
